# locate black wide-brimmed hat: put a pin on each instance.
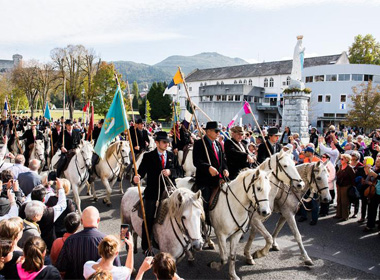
(273, 131)
(212, 125)
(162, 136)
(69, 121)
(139, 121)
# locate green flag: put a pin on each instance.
(115, 123)
(47, 112)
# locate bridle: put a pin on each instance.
(85, 167)
(280, 168)
(119, 162)
(314, 179)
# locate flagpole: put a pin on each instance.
(200, 110)
(14, 127)
(92, 108)
(195, 115)
(174, 125)
(64, 105)
(133, 115)
(261, 132)
(136, 174)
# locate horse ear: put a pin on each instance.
(318, 164)
(92, 142)
(198, 194)
(179, 197)
(81, 142)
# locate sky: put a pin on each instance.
(148, 31)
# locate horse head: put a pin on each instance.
(284, 169)
(39, 150)
(186, 209)
(87, 150)
(319, 181)
(258, 190)
(124, 152)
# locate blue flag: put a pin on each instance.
(115, 123)
(47, 112)
(5, 111)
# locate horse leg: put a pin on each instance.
(107, 185)
(76, 197)
(135, 236)
(293, 226)
(280, 223)
(94, 196)
(234, 240)
(247, 248)
(88, 185)
(268, 238)
(190, 256)
(222, 240)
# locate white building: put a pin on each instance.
(220, 92)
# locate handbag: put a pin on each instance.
(353, 192)
(370, 191)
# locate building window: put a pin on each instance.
(205, 84)
(218, 98)
(245, 82)
(190, 88)
(331, 78)
(329, 115)
(309, 79)
(255, 99)
(288, 80)
(217, 83)
(368, 78)
(250, 82)
(224, 97)
(222, 83)
(344, 77)
(235, 82)
(249, 98)
(357, 77)
(271, 82)
(240, 81)
(265, 82)
(319, 78)
(201, 84)
(328, 98)
(320, 98)
(230, 98)
(237, 97)
(343, 98)
(266, 100)
(341, 115)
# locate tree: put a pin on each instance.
(364, 50)
(136, 96)
(148, 109)
(90, 68)
(104, 88)
(161, 105)
(365, 111)
(70, 62)
(47, 78)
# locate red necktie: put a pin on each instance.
(163, 161)
(215, 152)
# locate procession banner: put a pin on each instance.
(115, 123)
(91, 124)
(172, 87)
(47, 112)
(5, 111)
(245, 110)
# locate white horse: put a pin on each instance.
(188, 165)
(17, 146)
(77, 171)
(287, 203)
(38, 152)
(109, 168)
(181, 229)
(230, 217)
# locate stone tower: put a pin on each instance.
(17, 60)
(296, 97)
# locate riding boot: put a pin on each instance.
(60, 165)
(150, 209)
(206, 194)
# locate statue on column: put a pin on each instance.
(298, 59)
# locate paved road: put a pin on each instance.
(339, 250)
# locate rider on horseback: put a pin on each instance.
(67, 144)
(31, 135)
(142, 137)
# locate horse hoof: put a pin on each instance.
(95, 199)
(191, 260)
(256, 255)
(234, 277)
(275, 248)
(109, 204)
(214, 265)
(250, 261)
(309, 263)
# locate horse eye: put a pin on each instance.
(259, 189)
(319, 178)
(285, 166)
(183, 217)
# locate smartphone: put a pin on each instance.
(124, 231)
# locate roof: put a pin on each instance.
(260, 69)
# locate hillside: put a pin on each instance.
(165, 70)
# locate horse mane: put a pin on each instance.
(179, 200)
(111, 149)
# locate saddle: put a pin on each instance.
(215, 195)
(162, 211)
(66, 158)
(186, 150)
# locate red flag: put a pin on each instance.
(86, 106)
(91, 124)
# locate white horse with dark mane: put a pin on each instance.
(78, 168)
(230, 217)
(188, 165)
(180, 230)
(38, 152)
(287, 202)
(109, 169)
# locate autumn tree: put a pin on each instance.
(365, 108)
(364, 50)
(47, 79)
(90, 68)
(70, 62)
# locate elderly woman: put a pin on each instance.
(345, 179)
(331, 181)
(373, 201)
(355, 164)
(34, 211)
(109, 249)
(360, 140)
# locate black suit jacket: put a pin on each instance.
(262, 152)
(152, 167)
(142, 136)
(71, 141)
(202, 176)
(236, 158)
(55, 135)
(28, 135)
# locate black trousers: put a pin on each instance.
(150, 209)
(372, 210)
(206, 194)
(325, 206)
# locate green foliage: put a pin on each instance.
(364, 50)
(136, 96)
(161, 105)
(365, 108)
(292, 90)
(148, 110)
(142, 107)
(105, 87)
